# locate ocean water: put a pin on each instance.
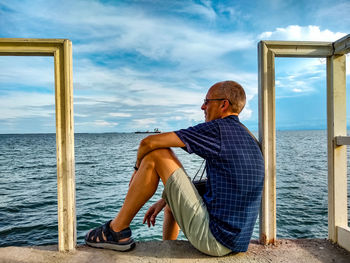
(104, 164)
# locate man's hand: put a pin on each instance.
(153, 211)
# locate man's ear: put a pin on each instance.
(225, 105)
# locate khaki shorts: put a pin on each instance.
(191, 213)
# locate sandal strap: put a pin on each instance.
(125, 233)
(97, 233)
(105, 233)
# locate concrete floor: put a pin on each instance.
(301, 250)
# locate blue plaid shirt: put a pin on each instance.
(235, 171)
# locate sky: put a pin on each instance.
(140, 65)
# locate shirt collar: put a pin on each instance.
(235, 117)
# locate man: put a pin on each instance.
(223, 220)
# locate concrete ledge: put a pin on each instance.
(301, 250)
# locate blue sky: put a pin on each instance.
(140, 65)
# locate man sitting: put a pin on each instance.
(223, 220)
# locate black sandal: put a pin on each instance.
(104, 237)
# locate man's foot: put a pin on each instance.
(104, 237)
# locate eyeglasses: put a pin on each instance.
(206, 101)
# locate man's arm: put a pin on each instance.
(153, 142)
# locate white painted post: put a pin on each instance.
(61, 49)
(335, 52)
(337, 159)
(65, 148)
(267, 137)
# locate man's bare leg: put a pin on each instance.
(157, 164)
(170, 227)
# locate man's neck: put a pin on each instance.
(229, 114)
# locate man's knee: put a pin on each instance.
(148, 161)
(159, 154)
(164, 161)
(152, 158)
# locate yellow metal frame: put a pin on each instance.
(61, 50)
(338, 229)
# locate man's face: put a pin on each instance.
(212, 107)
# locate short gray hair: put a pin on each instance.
(235, 93)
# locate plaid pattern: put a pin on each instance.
(235, 171)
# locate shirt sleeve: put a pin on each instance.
(202, 139)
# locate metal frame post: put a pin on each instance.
(61, 50)
(267, 136)
(339, 230)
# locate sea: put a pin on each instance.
(104, 164)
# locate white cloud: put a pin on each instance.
(157, 37)
(101, 27)
(92, 99)
(106, 28)
(192, 114)
(177, 118)
(131, 87)
(96, 124)
(25, 104)
(120, 114)
(335, 13)
(80, 115)
(298, 76)
(298, 71)
(33, 71)
(174, 42)
(197, 54)
(105, 123)
(297, 90)
(225, 9)
(144, 123)
(204, 10)
(302, 33)
(137, 89)
(245, 114)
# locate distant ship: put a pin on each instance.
(156, 130)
